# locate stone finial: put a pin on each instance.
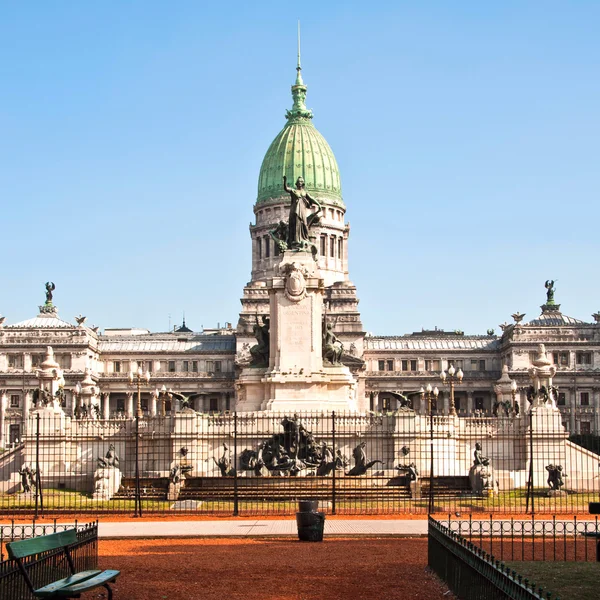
(541, 360)
(518, 317)
(2, 319)
(596, 317)
(504, 326)
(49, 360)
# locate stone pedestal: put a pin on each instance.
(296, 377)
(483, 480)
(107, 481)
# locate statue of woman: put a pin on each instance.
(549, 285)
(301, 219)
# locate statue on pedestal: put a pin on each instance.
(260, 351)
(107, 477)
(332, 347)
(481, 474)
(301, 219)
(555, 480)
(50, 287)
(27, 478)
(224, 463)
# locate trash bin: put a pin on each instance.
(310, 522)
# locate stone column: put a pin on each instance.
(572, 409)
(596, 401)
(129, 405)
(152, 404)
(3, 404)
(106, 405)
(446, 404)
(27, 362)
(469, 403)
(27, 400)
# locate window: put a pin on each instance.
(381, 365)
(457, 363)
(340, 248)
(267, 247)
(149, 365)
(15, 400)
(386, 404)
(186, 366)
(37, 360)
(64, 361)
(217, 366)
(390, 365)
(482, 365)
(323, 245)
(259, 247)
(413, 365)
(457, 402)
(15, 361)
(275, 249)
(478, 403)
(121, 405)
(171, 366)
(194, 366)
(561, 359)
(214, 405)
(432, 365)
(474, 364)
(332, 247)
(584, 398)
(584, 358)
(116, 366)
(144, 403)
(405, 365)
(585, 427)
(562, 399)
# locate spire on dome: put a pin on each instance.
(299, 111)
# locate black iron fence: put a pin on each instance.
(471, 572)
(262, 463)
(49, 566)
(552, 539)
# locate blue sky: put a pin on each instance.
(467, 136)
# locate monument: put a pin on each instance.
(296, 362)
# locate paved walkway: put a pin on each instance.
(254, 528)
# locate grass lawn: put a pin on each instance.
(566, 580)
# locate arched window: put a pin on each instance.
(267, 247)
(340, 248)
(332, 246)
(323, 245)
(259, 247)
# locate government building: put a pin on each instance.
(202, 368)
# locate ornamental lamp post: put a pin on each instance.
(430, 392)
(452, 376)
(139, 377)
(162, 395)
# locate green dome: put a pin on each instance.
(300, 150)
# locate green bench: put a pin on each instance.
(69, 587)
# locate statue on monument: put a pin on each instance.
(332, 347)
(549, 285)
(260, 351)
(301, 219)
(361, 466)
(110, 460)
(555, 477)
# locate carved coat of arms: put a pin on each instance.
(295, 282)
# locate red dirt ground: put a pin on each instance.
(282, 569)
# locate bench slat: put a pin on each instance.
(70, 590)
(36, 545)
(77, 578)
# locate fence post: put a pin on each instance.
(530, 479)
(138, 499)
(235, 468)
(38, 480)
(333, 499)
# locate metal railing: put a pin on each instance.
(472, 573)
(261, 463)
(46, 567)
